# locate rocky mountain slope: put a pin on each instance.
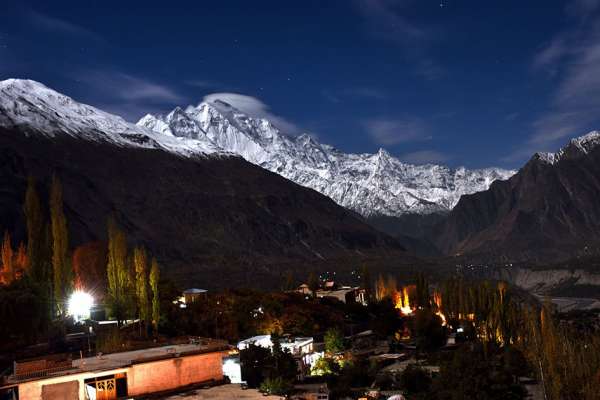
(549, 210)
(210, 217)
(370, 184)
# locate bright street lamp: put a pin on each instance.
(79, 305)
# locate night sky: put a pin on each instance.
(475, 83)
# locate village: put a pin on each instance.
(319, 340)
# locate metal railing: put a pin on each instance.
(40, 373)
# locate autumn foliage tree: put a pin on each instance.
(140, 262)
(154, 278)
(117, 271)
(89, 266)
(21, 262)
(8, 269)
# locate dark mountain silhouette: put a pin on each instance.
(548, 211)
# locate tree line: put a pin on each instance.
(46, 262)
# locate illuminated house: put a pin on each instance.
(192, 295)
(297, 346)
(112, 376)
(301, 348)
(345, 294)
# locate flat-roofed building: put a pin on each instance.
(345, 294)
(298, 346)
(112, 376)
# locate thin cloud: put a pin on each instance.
(254, 108)
(203, 84)
(331, 96)
(582, 8)
(384, 19)
(574, 58)
(387, 20)
(550, 54)
(126, 95)
(425, 157)
(429, 70)
(394, 131)
(130, 88)
(53, 24)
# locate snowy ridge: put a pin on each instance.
(575, 148)
(371, 184)
(31, 106)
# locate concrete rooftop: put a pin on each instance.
(118, 360)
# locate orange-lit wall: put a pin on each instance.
(172, 373)
(149, 377)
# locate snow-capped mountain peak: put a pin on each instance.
(371, 184)
(576, 147)
(37, 109)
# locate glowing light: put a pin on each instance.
(80, 304)
(437, 300)
(402, 301)
(442, 317)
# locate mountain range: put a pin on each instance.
(371, 184)
(269, 198)
(548, 211)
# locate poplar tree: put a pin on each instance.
(7, 258)
(380, 288)
(34, 220)
(422, 292)
(140, 262)
(154, 277)
(21, 258)
(60, 245)
(117, 270)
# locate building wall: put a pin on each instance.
(34, 390)
(61, 391)
(172, 373)
(144, 378)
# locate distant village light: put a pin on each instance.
(80, 304)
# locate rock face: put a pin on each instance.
(210, 217)
(370, 184)
(544, 281)
(548, 211)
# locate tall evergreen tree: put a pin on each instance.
(140, 262)
(61, 266)
(154, 277)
